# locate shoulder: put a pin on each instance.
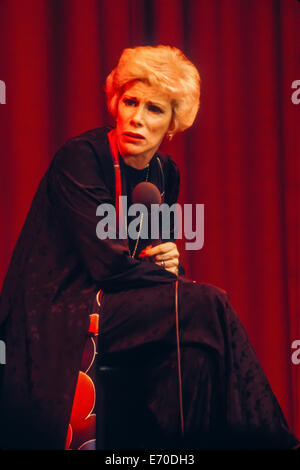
(87, 153)
(95, 137)
(170, 169)
(172, 177)
(168, 163)
(92, 141)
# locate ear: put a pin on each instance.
(172, 129)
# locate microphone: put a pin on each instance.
(147, 193)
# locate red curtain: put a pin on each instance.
(239, 159)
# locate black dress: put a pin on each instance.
(57, 268)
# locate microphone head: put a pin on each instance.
(146, 193)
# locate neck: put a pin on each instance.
(139, 161)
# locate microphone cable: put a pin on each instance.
(118, 193)
(179, 359)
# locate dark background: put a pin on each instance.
(240, 159)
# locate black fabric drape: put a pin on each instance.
(57, 267)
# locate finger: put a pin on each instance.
(171, 269)
(167, 256)
(159, 249)
(173, 253)
(168, 263)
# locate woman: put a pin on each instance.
(199, 383)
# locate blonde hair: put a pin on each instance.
(165, 68)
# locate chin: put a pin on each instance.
(132, 149)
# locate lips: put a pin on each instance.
(133, 135)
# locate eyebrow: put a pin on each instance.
(153, 103)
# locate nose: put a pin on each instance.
(137, 117)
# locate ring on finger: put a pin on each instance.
(163, 263)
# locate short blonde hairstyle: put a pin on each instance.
(165, 68)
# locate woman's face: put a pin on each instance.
(144, 117)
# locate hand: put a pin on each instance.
(166, 252)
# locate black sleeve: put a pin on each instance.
(76, 188)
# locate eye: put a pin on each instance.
(155, 109)
(129, 102)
